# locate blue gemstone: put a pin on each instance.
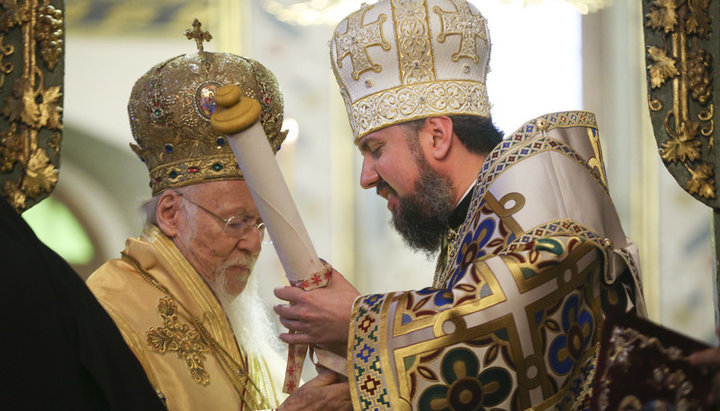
(220, 141)
(168, 148)
(173, 174)
(217, 167)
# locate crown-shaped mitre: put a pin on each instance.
(170, 108)
(401, 60)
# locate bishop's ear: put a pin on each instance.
(166, 212)
(441, 131)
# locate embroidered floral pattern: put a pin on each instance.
(568, 347)
(466, 388)
(181, 339)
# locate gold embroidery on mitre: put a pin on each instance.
(414, 101)
(357, 38)
(180, 338)
(465, 24)
(413, 39)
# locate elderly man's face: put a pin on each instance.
(223, 258)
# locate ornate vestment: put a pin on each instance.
(178, 330)
(514, 317)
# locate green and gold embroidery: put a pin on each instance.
(175, 336)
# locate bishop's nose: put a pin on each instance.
(368, 176)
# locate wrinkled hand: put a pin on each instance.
(320, 316)
(327, 391)
(711, 358)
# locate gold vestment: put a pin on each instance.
(178, 330)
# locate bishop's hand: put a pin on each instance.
(320, 316)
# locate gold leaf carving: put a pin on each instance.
(13, 14)
(49, 108)
(663, 68)
(20, 104)
(14, 195)
(698, 22)
(12, 145)
(40, 175)
(674, 149)
(701, 181)
(663, 15)
(682, 145)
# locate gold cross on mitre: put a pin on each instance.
(199, 35)
(467, 25)
(358, 38)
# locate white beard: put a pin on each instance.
(254, 329)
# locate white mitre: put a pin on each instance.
(397, 61)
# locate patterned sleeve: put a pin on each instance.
(515, 330)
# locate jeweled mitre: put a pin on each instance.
(401, 60)
(170, 108)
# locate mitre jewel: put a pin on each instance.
(401, 60)
(170, 108)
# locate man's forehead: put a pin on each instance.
(377, 136)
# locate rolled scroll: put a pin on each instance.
(272, 197)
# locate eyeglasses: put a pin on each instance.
(235, 226)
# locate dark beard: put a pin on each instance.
(421, 218)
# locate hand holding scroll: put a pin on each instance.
(237, 116)
(320, 316)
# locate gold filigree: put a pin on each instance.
(467, 25)
(627, 342)
(170, 107)
(357, 38)
(417, 100)
(413, 38)
(179, 338)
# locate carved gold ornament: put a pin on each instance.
(31, 74)
(680, 85)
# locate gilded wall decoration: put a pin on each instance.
(31, 76)
(680, 64)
